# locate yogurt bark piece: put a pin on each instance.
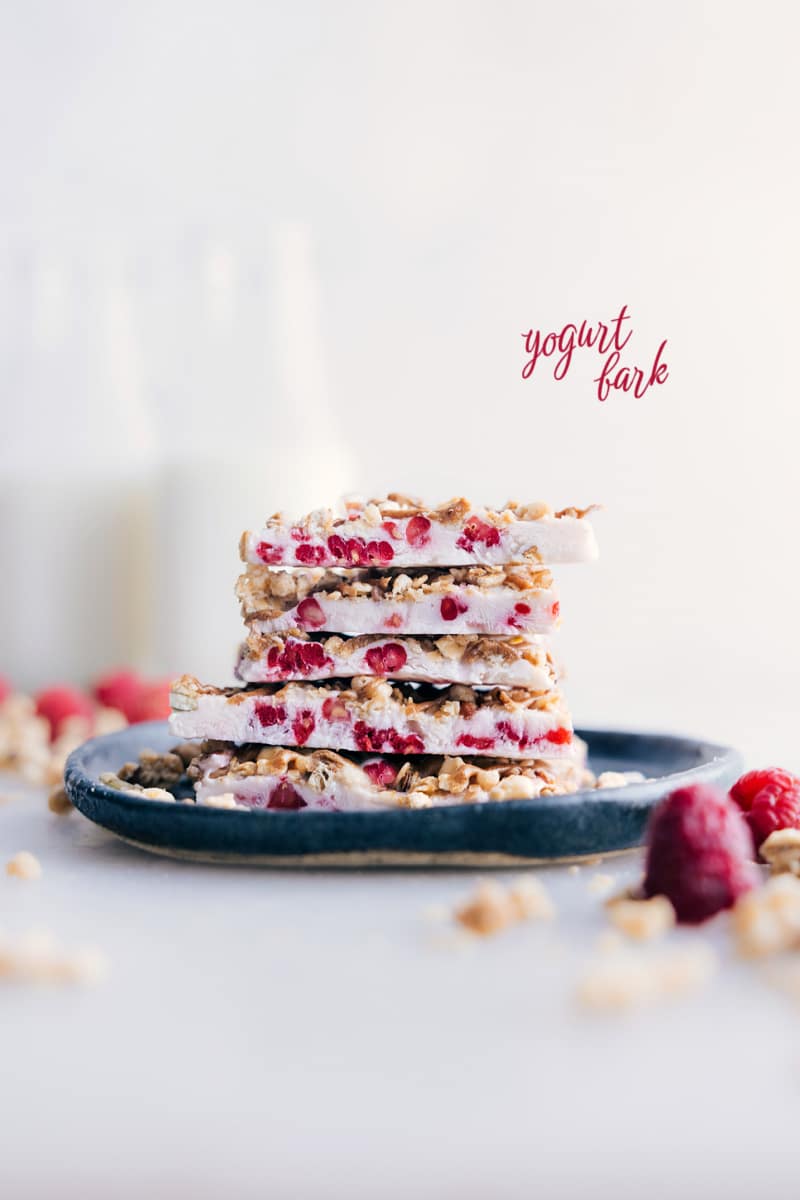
(371, 715)
(459, 658)
(271, 777)
(402, 532)
(501, 600)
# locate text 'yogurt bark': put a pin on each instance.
(402, 532)
(487, 600)
(272, 777)
(451, 658)
(371, 715)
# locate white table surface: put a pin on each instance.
(288, 1034)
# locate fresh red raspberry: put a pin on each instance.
(151, 703)
(699, 853)
(773, 808)
(120, 690)
(745, 790)
(57, 704)
(5, 689)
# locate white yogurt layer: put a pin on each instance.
(418, 541)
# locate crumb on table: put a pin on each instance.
(24, 865)
(641, 919)
(493, 907)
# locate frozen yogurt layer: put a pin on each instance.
(402, 532)
(369, 714)
(451, 658)
(271, 777)
(501, 600)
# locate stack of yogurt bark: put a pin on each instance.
(396, 656)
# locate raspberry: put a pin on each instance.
(522, 609)
(356, 552)
(303, 726)
(57, 704)
(418, 531)
(559, 737)
(118, 689)
(270, 714)
(310, 613)
(476, 743)
(285, 796)
(268, 553)
(380, 772)
(774, 808)
(312, 556)
(450, 608)
(5, 689)
(379, 552)
(386, 659)
(699, 853)
(337, 546)
(151, 703)
(745, 790)
(476, 530)
(334, 709)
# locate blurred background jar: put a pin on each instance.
(160, 399)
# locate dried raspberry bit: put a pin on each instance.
(337, 546)
(410, 744)
(310, 614)
(334, 709)
(270, 714)
(269, 554)
(386, 659)
(297, 533)
(312, 656)
(379, 552)
(418, 531)
(555, 609)
(770, 800)
(381, 772)
(312, 556)
(522, 609)
(451, 607)
(391, 528)
(559, 737)
(286, 797)
(699, 852)
(273, 658)
(303, 726)
(395, 621)
(476, 530)
(476, 743)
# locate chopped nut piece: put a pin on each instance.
(767, 920)
(59, 802)
(493, 907)
(641, 919)
(782, 851)
(24, 865)
(619, 981)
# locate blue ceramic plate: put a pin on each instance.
(516, 832)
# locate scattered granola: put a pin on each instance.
(622, 980)
(493, 908)
(643, 919)
(767, 920)
(35, 958)
(24, 865)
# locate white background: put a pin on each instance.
(253, 251)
